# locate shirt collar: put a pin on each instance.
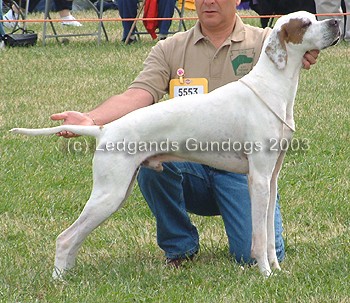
(237, 35)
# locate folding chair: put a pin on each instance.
(22, 15)
(100, 28)
(19, 36)
(180, 12)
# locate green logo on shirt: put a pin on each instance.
(242, 61)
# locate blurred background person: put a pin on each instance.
(63, 7)
(335, 6)
(165, 9)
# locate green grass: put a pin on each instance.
(45, 182)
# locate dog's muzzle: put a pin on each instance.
(334, 27)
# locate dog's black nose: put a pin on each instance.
(334, 22)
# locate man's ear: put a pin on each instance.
(276, 48)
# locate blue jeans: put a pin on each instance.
(184, 187)
(128, 9)
(2, 31)
(165, 10)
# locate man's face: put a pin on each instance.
(215, 13)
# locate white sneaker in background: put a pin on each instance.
(10, 15)
(70, 21)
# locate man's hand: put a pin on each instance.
(72, 118)
(310, 58)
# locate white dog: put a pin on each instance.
(247, 119)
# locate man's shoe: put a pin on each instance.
(10, 15)
(177, 262)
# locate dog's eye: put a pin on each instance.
(306, 24)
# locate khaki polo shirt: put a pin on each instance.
(199, 58)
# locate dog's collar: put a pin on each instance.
(282, 119)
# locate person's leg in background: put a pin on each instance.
(165, 10)
(13, 12)
(330, 6)
(2, 32)
(127, 9)
(64, 8)
(347, 23)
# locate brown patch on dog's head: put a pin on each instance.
(290, 32)
(293, 31)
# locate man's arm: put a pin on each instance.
(110, 110)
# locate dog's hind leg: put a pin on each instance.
(110, 190)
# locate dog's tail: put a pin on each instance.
(94, 130)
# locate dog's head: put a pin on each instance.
(300, 31)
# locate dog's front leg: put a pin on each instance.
(259, 189)
(271, 241)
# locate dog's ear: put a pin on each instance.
(276, 48)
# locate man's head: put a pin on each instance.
(216, 14)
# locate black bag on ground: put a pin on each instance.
(26, 38)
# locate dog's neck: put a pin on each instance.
(269, 72)
(265, 80)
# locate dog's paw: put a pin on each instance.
(265, 271)
(275, 265)
(58, 274)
